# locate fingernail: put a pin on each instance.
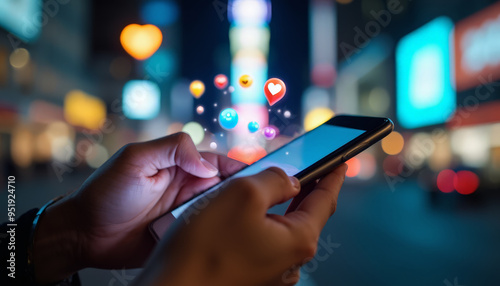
(209, 166)
(295, 182)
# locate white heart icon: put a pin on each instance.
(274, 88)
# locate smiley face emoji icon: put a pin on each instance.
(246, 81)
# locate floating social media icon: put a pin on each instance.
(246, 81)
(253, 126)
(220, 81)
(197, 88)
(274, 89)
(228, 118)
(269, 133)
(141, 42)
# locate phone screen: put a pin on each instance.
(295, 156)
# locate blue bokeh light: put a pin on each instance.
(160, 13)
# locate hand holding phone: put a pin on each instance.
(233, 242)
(308, 158)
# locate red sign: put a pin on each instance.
(477, 48)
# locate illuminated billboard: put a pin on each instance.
(425, 95)
(25, 18)
(477, 47)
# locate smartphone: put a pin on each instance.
(308, 157)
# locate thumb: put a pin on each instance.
(174, 150)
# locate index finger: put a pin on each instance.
(225, 165)
(320, 204)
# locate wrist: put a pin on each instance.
(56, 247)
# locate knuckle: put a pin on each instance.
(181, 137)
(330, 198)
(283, 176)
(247, 189)
(308, 249)
(307, 242)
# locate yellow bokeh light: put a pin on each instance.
(393, 143)
(141, 42)
(22, 146)
(316, 117)
(19, 58)
(81, 109)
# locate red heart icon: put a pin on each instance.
(220, 81)
(275, 90)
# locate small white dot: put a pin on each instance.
(287, 114)
(279, 110)
(215, 119)
(231, 89)
(215, 104)
(205, 129)
(286, 153)
(225, 92)
(213, 145)
(221, 135)
(269, 110)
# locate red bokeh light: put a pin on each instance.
(445, 181)
(466, 182)
(354, 166)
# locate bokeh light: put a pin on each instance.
(96, 156)
(19, 58)
(316, 117)
(466, 182)
(160, 12)
(472, 145)
(161, 64)
(368, 165)
(141, 99)
(21, 146)
(249, 12)
(393, 143)
(354, 166)
(84, 110)
(194, 130)
(213, 145)
(445, 181)
(141, 42)
(379, 100)
(200, 109)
